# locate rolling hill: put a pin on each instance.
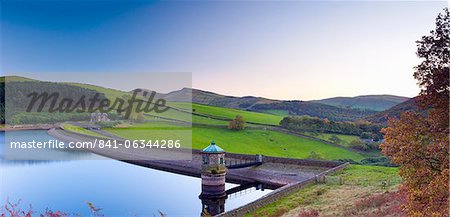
(337, 109)
(394, 112)
(212, 99)
(314, 110)
(366, 102)
(263, 105)
(372, 102)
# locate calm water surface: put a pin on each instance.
(120, 189)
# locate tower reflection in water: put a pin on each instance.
(212, 204)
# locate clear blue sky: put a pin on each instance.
(284, 50)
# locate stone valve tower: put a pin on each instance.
(213, 194)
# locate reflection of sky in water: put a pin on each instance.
(119, 188)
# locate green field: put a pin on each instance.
(345, 139)
(214, 114)
(171, 114)
(283, 113)
(151, 125)
(253, 141)
(80, 130)
(229, 113)
(249, 141)
(204, 120)
(111, 94)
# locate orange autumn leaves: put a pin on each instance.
(418, 142)
(423, 157)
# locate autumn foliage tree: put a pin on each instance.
(420, 143)
(237, 123)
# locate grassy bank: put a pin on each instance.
(80, 130)
(356, 189)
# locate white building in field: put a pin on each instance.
(99, 117)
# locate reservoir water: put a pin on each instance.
(118, 188)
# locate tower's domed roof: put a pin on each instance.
(213, 148)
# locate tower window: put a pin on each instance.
(205, 160)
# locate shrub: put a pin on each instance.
(373, 145)
(378, 161)
(237, 123)
(313, 124)
(359, 145)
(335, 139)
(109, 124)
(386, 204)
(366, 135)
(14, 210)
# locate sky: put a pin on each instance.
(299, 50)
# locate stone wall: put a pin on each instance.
(280, 193)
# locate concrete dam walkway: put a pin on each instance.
(274, 172)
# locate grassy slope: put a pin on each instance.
(373, 102)
(14, 78)
(333, 199)
(251, 141)
(276, 112)
(205, 120)
(80, 130)
(172, 114)
(152, 125)
(346, 139)
(268, 143)
(231, 113)
(215, 112)
(109, 93)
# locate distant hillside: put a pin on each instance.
(372, 102)
(263, 105)
(19, 100)
(15, 78)
(250, 103)
(394, 112)
(313, 109)
(213, 99)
